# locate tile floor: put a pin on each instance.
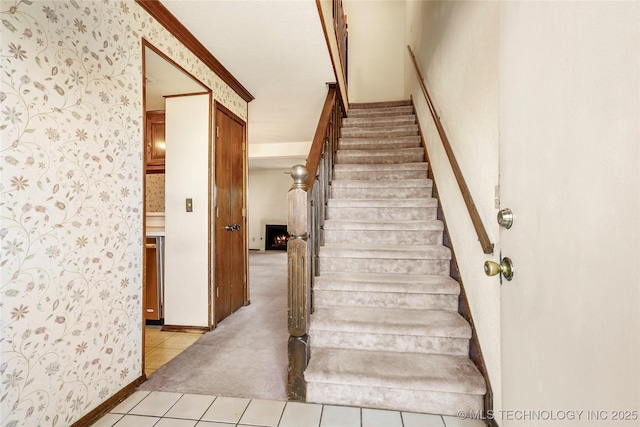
(160, 347)
(162, 409)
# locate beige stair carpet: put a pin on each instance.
(385, 332)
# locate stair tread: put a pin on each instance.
(409, 371)
(383, 203)
(387, 282)
(380, 167)
(377, 225)
(391, 321)
(378, 122)
(382, 152)
(399, 138)
(377, 251)
(368, 183)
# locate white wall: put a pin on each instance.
(456, 45)
(570, 169)
(376, 50)
(187, 233)
(267, 202)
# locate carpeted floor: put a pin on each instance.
(246, 355)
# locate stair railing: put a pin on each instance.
(342, 33)
(483, 237)
(307, 199)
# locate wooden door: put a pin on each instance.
(230, 224)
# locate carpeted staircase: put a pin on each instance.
(385, 332)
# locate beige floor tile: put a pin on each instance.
(191, 406)
(459, 422)
(154, 340)
(157, 357)
(180, 341)
(380, 418)
(173, 422)
(156, 404)
(421, 420)
(215, 424)
(301, 415)
(264, 413)
(136, 421)
(340, 416)
(130, 402)
(108, 420)
(226, 409)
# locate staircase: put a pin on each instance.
(385, 332)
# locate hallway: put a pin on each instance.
(246, 355)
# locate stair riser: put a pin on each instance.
(381, 193)
(420, 401)
(389, 342)
(347, 157)
(381, 176)
(377, 265)
(385, 300)
(381, 145)
(380, 112)
(408, 119)
(409, 237)
(383, 214)
(373, 132)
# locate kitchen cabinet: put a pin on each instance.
(153, 287)
(155, 141)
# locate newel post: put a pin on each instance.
(299, 279)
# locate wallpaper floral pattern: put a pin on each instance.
(71, 201)
(155, 192)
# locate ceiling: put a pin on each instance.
(277, 50)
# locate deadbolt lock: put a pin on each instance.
(492, 268)
(505, 218)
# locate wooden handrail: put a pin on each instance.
(483, 237)
(315, 152)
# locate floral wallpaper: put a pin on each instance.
(155, 192)
(71, 201)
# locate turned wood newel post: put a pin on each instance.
(299, 292)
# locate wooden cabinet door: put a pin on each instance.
(231, 258)
(151, 288)
(155, 143)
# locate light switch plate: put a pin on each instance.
(189, 205)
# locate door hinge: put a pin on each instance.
(244, 212)
(217, 212)
(217, 132)
(217, 291)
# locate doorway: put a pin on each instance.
(231, 290)
(165, 81)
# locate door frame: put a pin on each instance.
(144, 45)
(219, 108)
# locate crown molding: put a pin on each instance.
(156, 9)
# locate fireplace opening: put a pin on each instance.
(276, 237)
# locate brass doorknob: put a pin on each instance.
(491, 268)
